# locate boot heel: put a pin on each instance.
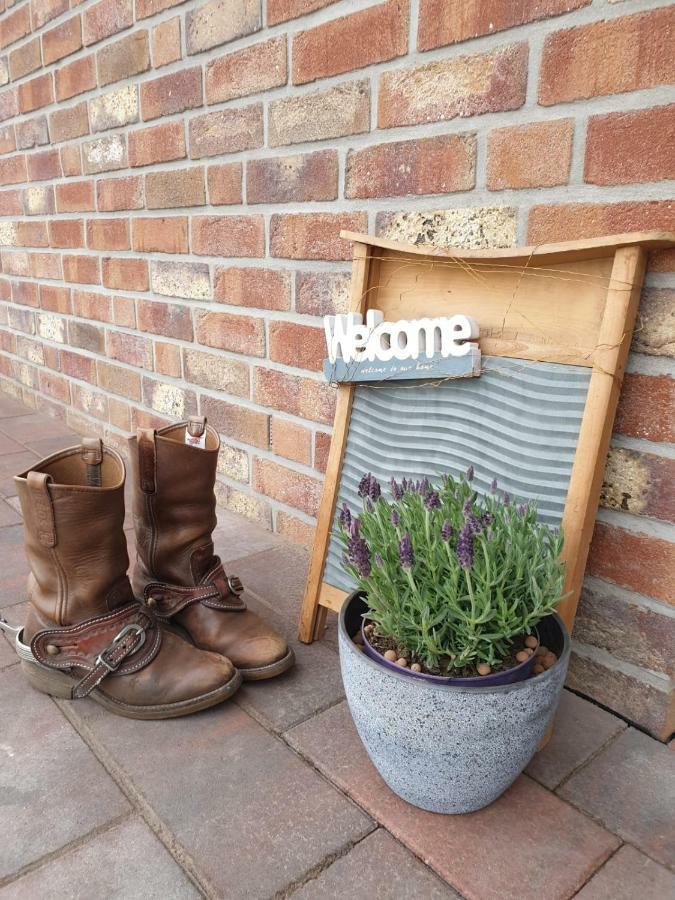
(48, 681)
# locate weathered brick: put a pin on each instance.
(119, 413)
(303, 397)
(313, 235)
(622, 148)
(11, 203)
(15, 26)
(25, 293)
(8, 139)
(225, 183)
(608, 57)
(114, 194)
(530, 156)
(124, 274)
(636, 561)
(36, 93)
(25, 59)
(462, 86)
(294, 529)
(43, 11)
(287, 486)
(226, 131)
(124, 312)
(233, 463)
(238, 334)
(301, 178)
(235, 236)
(51, 328)
(45, 265)
(13, 170)
(249, 71)
(639, 483)
(32, 133)
(283, 10)
(71, 160)
(92, 403)
(165, 42)
(55, 386)
(118, 380)
(129, 348)
(655, 329)
(372, 35)
(177, 188)
(105, 154)
(22, 320)
(290, 440)
(75, 78)
(90, 305)
(221, 21)
(160, 234)
(560, 221)
(179, 279)
(244, 504)
(15, 262)
(303, 346)
(216, 372)
(437, 165)
(44, 166)
(127, 57)
(66, 233)
(69, 123)
(258, 288)
(160, 143)
(167, 319)
(171, 93)
(145, 8)
(55, 299)
(75, 196)
(336, 112)
(239, 422)
(169, 399)
(108, 234)
(75, 365)
(106, 18)
(168, 359)
(62, 40)
(28, 349)
(322, 293)
(114, 109)
(9, 104)
(646, 407)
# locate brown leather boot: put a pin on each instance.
(85, 634)
(176, 573)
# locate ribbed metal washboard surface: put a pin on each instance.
(518, 422)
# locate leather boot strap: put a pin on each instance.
(217, 592)
(118, 643)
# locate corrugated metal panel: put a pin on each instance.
(518, 422)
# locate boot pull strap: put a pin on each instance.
(38, 486)
(147, 459)
(91, 451)
(195, 432)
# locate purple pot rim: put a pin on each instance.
(504, 677)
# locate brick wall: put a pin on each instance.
(174, 179)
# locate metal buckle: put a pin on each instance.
(235, 585)
(133, 627)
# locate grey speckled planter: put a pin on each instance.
(443, 748)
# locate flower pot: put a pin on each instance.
(448, 748)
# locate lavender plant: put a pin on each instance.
(451, 576)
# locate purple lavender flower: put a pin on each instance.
(405, 486)
(446, 530)
(405, 551)
(493, 485)
(432, 500)
(345, 516)
(473, 524)
(396, 491)
(486, 518)
(464, 549)
(359, 554)
(469, 473)
(467, 509)
(355, 527)
(522, 510)
(394, 516)
(374, 491)
(506, 499)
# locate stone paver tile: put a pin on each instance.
(579, 731)
(236, 537)
(629, 875)
(7, 655)
(52, 788)
(10, 407)
(125, 862)
(528, 841)
(8, 444)
(13, 565)
(251, 814)
(278, 577)
(377, 867)
(313, 684)
(8, 515)
(13, 464)
(33, 427)
(630, 787)
(48, 445)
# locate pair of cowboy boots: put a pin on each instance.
(179, 637)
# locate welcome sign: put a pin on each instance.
(376, 350)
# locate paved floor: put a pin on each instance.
(272, 795)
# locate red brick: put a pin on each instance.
(36, 93)
(145, 8)
(55, 299)
(301, 178)
(45, 265)
(168, 319)
(25, 59)
(226, 131)
(258, 288)
(160, 143)
(129, 348)
(304, 397)
(92, 403)
(314, 235)
(442, 23)
(168, 359)
(10, 201)
(43, 11)
(61, 41)
(66, 233)
(8, 139)
(118, 380)
(32, 133)
(462, 86)
(55, 386)
(165, 42)
(283, 10)
(127, 57)
(124, 312)
(161, 234)
(287, 486)
(90, 305)
(294, 529)
(67, 124)
(220, 21)
(635, 561)
(322, 293)
(71, 160)
(237, 236)
(125, 274)
(622, 148)
(9, 104)
(303, 346)
(105, 18)
(115, 194)
(14, 26)
(639, 483)
(15, 262)
(574, 221)
(646, 407)
(13, 170)
(108, 234)
(238, 334)
(239, 422)
(339, 111)
(44, 166)
(31, 234)
(530, 156)
(249, 71)
(25, 293)
(120, 414)
(75, 78)
(171, 93)
(610, 57)
(373, 35)
(225, 184)
(436, 165)
(77, 366)
(290, 440)
(75, 196)
(81, 269)
(175, 188)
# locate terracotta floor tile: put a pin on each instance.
(278, 577)
(8, 444)
(235, 537)
(629, 875)
(48, 445)
(13, 566)
(34, 427)
(10, 407)
(8, 515)
(630, 787)
(14, 464)
(7, 655)
(526, 843)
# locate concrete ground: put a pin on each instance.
(272, 794)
